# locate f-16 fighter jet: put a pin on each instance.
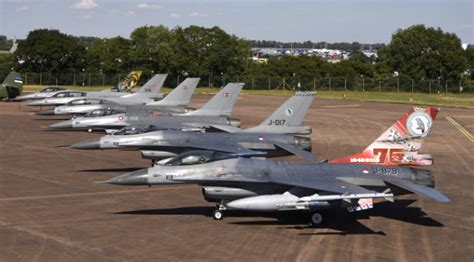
(45, 92)
(264, 185)
(272, 138)
(80, 106)
(65, 96)
(216, 112)
(11, 86)
(125, 84)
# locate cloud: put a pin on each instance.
(130, 13)
(23, 8)
(149, 6)
(196, 14)
(85, 4)
(174, 15)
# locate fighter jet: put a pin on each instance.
(45, 92)
(216, 112)
(79, 106)
(125, 84)
(266, 140)
(65, 96)
(264, 185)
(12, 86)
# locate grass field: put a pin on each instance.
(465, 100)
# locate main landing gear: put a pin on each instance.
(316, 219)
(218, 214)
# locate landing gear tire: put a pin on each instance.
(316, 219)
(218, 215)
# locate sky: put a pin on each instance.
(365, 21)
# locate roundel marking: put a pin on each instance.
(418, 124)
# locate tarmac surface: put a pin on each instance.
(51, 209)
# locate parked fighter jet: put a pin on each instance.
(125, 84)
(11, 86)
(263, 185)
(79, 106)
(45, 92)
(65, 96)
(216, 112)
(267, 142)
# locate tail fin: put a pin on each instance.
(181, 95)
(288, 117)
(222, 103)
(129, 81)
(153, 86)
(14, 46)
(399, 145)
(14, 84)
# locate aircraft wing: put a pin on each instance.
(236, 150)
(332, 185)
(225, 128)
(420, 190)
(296, 151)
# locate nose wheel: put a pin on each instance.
(218, 214)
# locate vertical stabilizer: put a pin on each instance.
(288, 117)
(222, 103)
(181, 95)
(399, 145)
(153, 86)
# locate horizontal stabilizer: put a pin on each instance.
(420, 190)
(296, 151)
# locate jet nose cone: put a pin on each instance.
(137, 178)
(36, 103)
(24, 97)
(62, 125)
(46, 112)
(88, 144)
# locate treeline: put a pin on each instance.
(417, 53)
(354, 46)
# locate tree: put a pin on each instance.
(419, 52)
(46, 50)
(201, 51)
(109, 55)
(152, 49)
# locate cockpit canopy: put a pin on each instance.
(197, 157)
(70, 94)
(130, 130)
(52, 89)
(101, 112)
(85, 101)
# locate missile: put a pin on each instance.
(388, 196)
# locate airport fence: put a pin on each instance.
(360, 84)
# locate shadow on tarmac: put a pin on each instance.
(336, 219)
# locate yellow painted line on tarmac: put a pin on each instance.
(460, 128)
(356, 105)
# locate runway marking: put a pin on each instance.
(91, 194)
(460, 128)
(339, 106)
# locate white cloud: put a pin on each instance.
(149, 6)
(174, 15)
(23, 8)
(196, 14)
(130, 13)
(85, 4)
